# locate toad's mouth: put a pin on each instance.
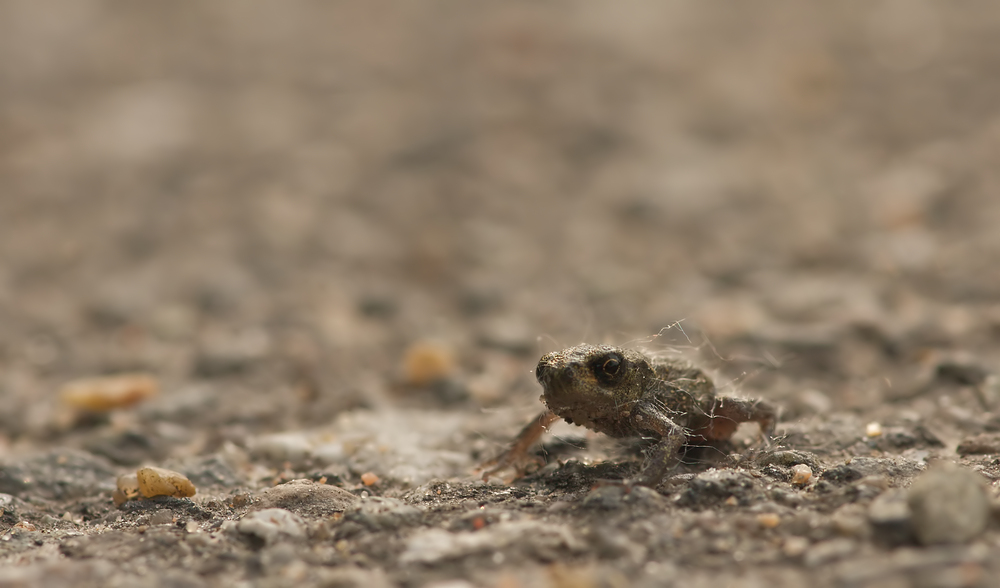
(559, 394)
(552, 392)
(555, 378)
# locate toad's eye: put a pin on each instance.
(608, 368)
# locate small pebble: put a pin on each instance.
(241, 500)
(795, 546)
(163, 482)
(984, 444)
(605, 497)
(108, 393)
(272, 524)
(329, 453)
(306, 497)
(791, 457)
(369, 479)
(199, 539)
(851, 524)
(282, 557)
(522, 539)
(814, 401)
(801, 474)
(961, 373)
(162, 517)
(895, 467)
(279, 448)
(829, 551)
(890, 518)
(768, 520)
(873, 430)
(949, 505)
(426, 362)
(377, 514)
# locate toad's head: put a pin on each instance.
(591, 383)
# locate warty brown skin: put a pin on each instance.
(624, 393)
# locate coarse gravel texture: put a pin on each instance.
(340, 235)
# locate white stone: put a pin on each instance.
(282, 447)
(272, 524)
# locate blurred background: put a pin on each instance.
(284, 210)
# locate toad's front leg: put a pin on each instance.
(516, 456)
(665, 455)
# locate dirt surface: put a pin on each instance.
(340, 235)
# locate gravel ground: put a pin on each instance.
(336, 237)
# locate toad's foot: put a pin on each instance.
(521, 464)
(516, 457)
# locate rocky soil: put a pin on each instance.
(334, 238)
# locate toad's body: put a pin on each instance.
(624, 393)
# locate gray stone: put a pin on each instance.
(715, 486)
(828, 551)
(791, 457)
(162, 517)
(272, 524)
(279, 448)
(307, 498)
(616, 496)
(983, 444)
(863, 467)
(210, 470)
(377, 514)
(890, 518)
(535, 539)
(949, 504)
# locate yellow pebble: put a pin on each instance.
(801, 474)
(163, 482)
(768, 520)
(108, 393)
(426, 362)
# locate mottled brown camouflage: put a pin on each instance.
(624, 393)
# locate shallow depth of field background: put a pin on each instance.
(340, 234)
(267, 204)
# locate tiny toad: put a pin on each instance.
(624, 393)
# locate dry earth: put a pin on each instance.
(340, 235)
